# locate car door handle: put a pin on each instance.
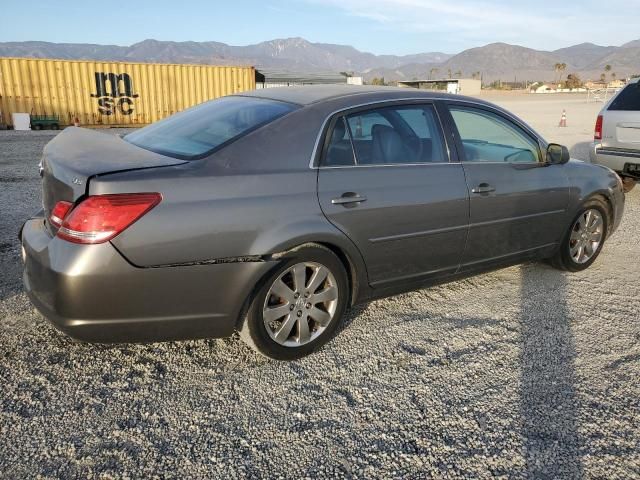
(349, 199)
(483, 188)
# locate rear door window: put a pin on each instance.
(403, 134)
(627, 99)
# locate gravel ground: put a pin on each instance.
(526, 372)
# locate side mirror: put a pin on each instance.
(557, 154)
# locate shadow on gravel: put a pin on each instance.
(580, 151)
(10, 270)
(548, 397)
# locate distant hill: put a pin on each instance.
(584, 54)
(632, 43)
(292, 53)
(503, 61)
(627, 58)
(494, 61)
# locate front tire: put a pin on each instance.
(583, 241)
(299, 306)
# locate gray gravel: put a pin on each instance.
(522, 373)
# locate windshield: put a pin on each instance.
(200, 130)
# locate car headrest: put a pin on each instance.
(388, 146)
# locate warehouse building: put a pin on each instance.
(268, 78)
(95, 93)
(463, 86)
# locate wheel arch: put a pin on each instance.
(338, 244)
(350, 259)
(603, 197)
(349, 267)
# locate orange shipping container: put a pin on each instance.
(112, 93)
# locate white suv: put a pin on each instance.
(617, 134)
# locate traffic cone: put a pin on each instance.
(563, 119)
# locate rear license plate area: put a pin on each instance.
(632, 169)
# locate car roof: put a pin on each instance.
(333, 98)
(312, 94)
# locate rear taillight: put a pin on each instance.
(597, 133)
(59, 212)
(99, 218)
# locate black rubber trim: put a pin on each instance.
(617, 153)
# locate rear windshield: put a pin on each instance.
(200, 130)
(627, 99)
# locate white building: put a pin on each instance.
(463, 86)
(267, 78)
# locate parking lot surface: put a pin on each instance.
(525, 372)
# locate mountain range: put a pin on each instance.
(496, 61)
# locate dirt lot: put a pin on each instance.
(543, 112)
(522, 373)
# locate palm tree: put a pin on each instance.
(607, 68)
(556, 69)
(563, 67)
(449, 73)
(432, 72)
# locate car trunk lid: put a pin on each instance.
(622, 119)
(628, 133)
(74, 156)
(621, 129)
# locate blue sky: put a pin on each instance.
(377, 26)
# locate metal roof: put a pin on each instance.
(441, 80)
(269, 75)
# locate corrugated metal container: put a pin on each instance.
(112, 93)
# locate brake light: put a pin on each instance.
(59, 213)
(99, 218)
(597, 134)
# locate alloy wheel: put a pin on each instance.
(586, 235)
(300, 304)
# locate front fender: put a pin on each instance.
(588, 181)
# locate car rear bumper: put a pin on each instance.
(92, 293)
(626, 162)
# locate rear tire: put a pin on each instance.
(299, 306)
(583, 241)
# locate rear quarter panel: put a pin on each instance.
(203, 218)
(256, 197)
